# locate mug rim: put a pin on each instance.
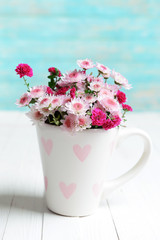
(84, 131)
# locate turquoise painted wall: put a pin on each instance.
(122, 34)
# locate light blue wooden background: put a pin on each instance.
(122, 34)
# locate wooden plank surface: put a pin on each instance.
(131, 212)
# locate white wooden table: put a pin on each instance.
(131, 212)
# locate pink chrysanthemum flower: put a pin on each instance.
(99, 106)
(55, 102)
(112, 88)
(35, 115)
(66, 99)
(90, 78)
(77, 106)
(44, 101)
(110, 104)
(85, 64)
(80, 86)
(127, 107)
(37, 91)
(96, 85)
(69, 122)
(24, 100)
(90, 98)
(121, 97)
(119, 79)
(104, 70)
(105, 92)
(43, 104)
(98, 117)
(72, 77)
(83, 122)
(24, 69)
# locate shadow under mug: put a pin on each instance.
(74, 166)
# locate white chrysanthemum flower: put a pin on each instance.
(104, 70)
(110, 104)
(35, 115)
(112, 88)
(55, 102)
(69, 123)
(37, 91)
(43, 105)
(96, 86)
(119, 79)
(85, 64)
(72, 77)
(83, 122)
(105, 92)
(77, 106)
(90, 98)
(24, 100)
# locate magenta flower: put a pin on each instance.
(62, 90)
(49, 91)
(121, 97)
(53, 70)
(127, 107)
(24, 69)
(111, 123)
(98, 117)
(73, 92)
(108, 124)
(116, 120)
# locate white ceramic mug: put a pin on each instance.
(75, 166)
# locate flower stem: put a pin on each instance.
(98, 74)
(25, 83)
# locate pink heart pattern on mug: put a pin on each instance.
(47, 144)
(97, 189)
(81, 153)
(67, 190)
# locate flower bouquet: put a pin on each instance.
(75, 165)
(77, 100)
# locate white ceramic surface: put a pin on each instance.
(75, 166)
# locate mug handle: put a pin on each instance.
(110, 186)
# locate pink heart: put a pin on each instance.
(97, 189)
(67, 190)
(47, 144)
(81, 153)
(46, 182)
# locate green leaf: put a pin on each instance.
(52, 84)
(89, 91)
(32, 101)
